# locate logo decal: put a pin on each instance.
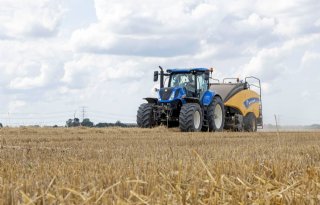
(250, 101)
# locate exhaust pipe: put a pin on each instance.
(161, 77)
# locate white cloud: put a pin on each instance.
(84, 70)
(21, 19)
(275, 62)
(29, 82)
(147, 28)
(294, 17)
(310, 56)
(317, 23)
(256, 22)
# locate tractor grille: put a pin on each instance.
(165, 93)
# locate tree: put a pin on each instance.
(76, 122)
(1, 126)
(69, 123)
(87, 123)
(102, 124)
(118, 123)
(73, 123)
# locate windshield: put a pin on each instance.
(181, 79)
(187, 80)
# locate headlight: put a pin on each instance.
(172, 96)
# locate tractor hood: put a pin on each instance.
(170, 94)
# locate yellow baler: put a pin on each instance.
(242, 101)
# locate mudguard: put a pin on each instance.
(151, 100)
(245, 101)
(207, 97)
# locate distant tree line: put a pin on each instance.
(87, 123)
(288, 127)
(76, 123)
(116, 124)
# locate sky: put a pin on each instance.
(57, 56)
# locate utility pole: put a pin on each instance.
(83, 112)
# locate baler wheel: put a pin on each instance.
(250, 122)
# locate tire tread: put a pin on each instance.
(145, 116)
(186, 117)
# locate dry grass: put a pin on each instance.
(158, 166)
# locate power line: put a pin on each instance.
(108, 113)
(83, 112)
(46, 118)
(37, 113)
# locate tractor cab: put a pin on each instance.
(183, 83)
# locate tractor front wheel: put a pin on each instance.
(250, 123)
(190, 118)
(145, 116)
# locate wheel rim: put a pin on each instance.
(196, 119)
(218, 116)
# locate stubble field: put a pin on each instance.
(157, 166)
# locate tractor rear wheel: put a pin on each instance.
(250, 122)
(190, 118)
(216, 115)
(145, 117)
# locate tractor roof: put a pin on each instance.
(187, 70)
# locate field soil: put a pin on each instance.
(157, 166)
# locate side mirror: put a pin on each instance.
(155, 76)
(206, 76)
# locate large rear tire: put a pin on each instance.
(250, 122)
(145, 117)
(216, 115)
(190, 118)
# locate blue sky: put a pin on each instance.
(57, 56)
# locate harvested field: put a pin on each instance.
(157, 166)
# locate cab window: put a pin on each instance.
(202, 84)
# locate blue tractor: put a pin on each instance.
(185, 102)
